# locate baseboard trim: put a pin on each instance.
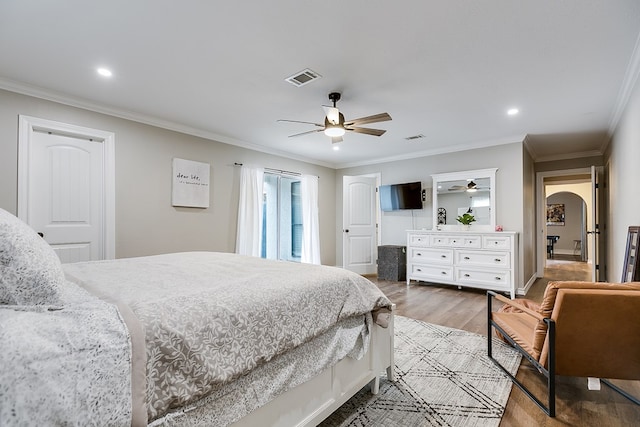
(523, 291)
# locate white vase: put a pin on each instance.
(465, 227)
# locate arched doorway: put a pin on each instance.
(567, 219)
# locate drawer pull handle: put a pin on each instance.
(497, 260)
(467, 275)
(495, 243)
(498, 278)
(455, 241)
(443, 256)
(417, 269)
(418, 254)
(444, 272)
(467, 257)
(470, 241)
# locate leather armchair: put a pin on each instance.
(580, 329)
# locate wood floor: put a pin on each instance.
(466, 309)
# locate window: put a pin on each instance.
(282, 218)
(480, 201)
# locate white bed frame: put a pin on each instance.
(311, 402)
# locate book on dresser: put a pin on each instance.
(485, 260)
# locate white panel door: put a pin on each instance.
(66, 193)
(359, 224)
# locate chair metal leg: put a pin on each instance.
(551, 374)
(550, 410)
(621, 391)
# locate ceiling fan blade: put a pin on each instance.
(307, 132)
(298, 121)
(336, 139)
(374, 132)
(382, 117)
(332, 113)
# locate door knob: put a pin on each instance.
(346, 231)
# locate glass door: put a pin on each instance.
(282, 218)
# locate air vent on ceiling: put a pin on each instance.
(414, 137)
(303, 77)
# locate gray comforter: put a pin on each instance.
(66, 365)
(209, 318)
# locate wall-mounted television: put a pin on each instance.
(401, 196)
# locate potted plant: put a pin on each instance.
(466, 219)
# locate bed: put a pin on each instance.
(183, 339)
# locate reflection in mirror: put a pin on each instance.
(457, 193)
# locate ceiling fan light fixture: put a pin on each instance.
(334, 130)
(333, 115)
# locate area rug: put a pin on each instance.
(443, 378)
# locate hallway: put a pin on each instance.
(567, 267)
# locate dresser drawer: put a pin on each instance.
(431, 272)
(471, 242)
(496, 242)
(440, 241)
(421, 240)
(491, 279)
(456, 241)
(431, 256)
(483, 259)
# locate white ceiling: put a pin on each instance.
(446, 69)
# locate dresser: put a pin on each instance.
(486, 260)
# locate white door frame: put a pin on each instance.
(378, 178)
(541, 223)
(27, 126)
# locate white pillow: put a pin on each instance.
(30, 271)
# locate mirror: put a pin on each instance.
(471, 191)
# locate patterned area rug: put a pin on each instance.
(443, 378)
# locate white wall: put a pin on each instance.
(624, 176)
(146, 223)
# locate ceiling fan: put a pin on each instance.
(470, 187)
(335, 125)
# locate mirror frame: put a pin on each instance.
(465, 175)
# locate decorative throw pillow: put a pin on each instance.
(30, 271)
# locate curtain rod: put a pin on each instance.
(275, 170)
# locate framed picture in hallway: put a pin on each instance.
(555, 214)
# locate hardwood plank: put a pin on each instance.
(466, 309)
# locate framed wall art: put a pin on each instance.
(555, 214)
(190, 184)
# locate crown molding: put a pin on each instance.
(435, 151)
(628, 84)
(581, 154)
(84, 104)
(529, 148)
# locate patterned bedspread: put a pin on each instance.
(209, 318)
(66, 365)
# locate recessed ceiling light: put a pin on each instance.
(104, 72)
(512, 111)
(336, 147)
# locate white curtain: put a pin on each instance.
(249, 234)
(310, 227)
